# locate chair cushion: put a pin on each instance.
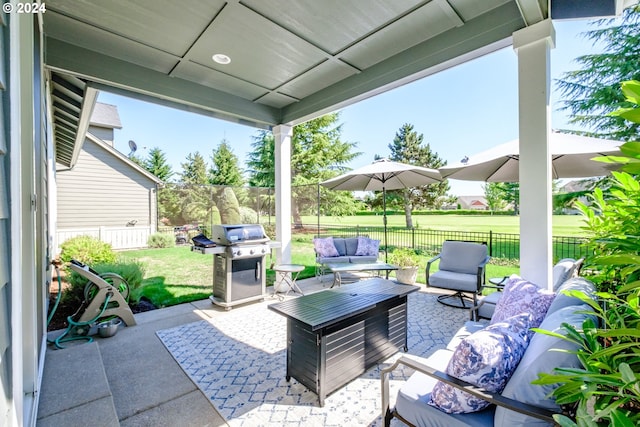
(562, 271)
(462, 257)
(541, 356)
(454, 281)
(487, 359)
(522, 296)
(487, 305)
(414, 394)
(367, 247)
(324, 247)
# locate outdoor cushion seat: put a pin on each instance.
(346, 248)
(461, 269)
(414, 390)
(540, 355)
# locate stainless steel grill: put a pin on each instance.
(239, 270)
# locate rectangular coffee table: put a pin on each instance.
(335, 335)
(345, 267)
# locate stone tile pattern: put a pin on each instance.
(239, 361)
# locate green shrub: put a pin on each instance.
(131, 271)
(248, 215)
(161, 240)
(87, 250)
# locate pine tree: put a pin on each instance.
(408, 147)
(317, 154)
(156, 163)
(593, 91)
(194, 170)
(225, 167)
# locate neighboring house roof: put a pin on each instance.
(576, 185)
(473, 201)
(106, 116)
(123, 158)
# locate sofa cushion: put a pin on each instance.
(522, 296)
(324, 247)
(334, 260)
(454, 281)
(414, 394)
(469, 328)
(340, 245)
(367, 247)
(575, 284)
(363, 259)
(462, 257)
(487, 359)
(541, 356)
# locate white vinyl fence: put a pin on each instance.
(118, 237)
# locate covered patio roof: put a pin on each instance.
(289, 61)
(272, 64)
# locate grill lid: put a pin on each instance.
(226, 235)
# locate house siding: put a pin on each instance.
(103, 191)
(5, 298)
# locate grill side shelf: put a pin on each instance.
(208, 251)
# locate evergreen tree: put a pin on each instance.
(156, 163)
(317, 154)
(225, 168)
(194, 170)
(593, 91)
(408, 147)
(195, 193)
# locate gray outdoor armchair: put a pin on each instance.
(461, 269)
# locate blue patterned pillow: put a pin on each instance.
(325, 247)
(522, 296)
(367, 247)
(487, 359)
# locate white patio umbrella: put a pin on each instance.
(383, 175)
(570, 158)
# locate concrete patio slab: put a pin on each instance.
(72, 377)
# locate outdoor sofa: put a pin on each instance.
(514, 403)
(338, 250)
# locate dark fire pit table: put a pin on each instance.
(334, 336)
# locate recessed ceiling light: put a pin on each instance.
(221, 58)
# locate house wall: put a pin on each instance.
(105, 134)
(24, 243)
(102, 190)
(5, 296)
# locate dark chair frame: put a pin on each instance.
(465, 301)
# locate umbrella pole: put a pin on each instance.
(384, 221)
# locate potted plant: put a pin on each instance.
(408, 262)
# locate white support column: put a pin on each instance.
(532, 45)
(282, 136)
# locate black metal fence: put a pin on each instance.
(501, 245)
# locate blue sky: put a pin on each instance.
(460, 111)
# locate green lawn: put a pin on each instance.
(177, 275)
(563, 225)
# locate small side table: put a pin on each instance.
(287, 274)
